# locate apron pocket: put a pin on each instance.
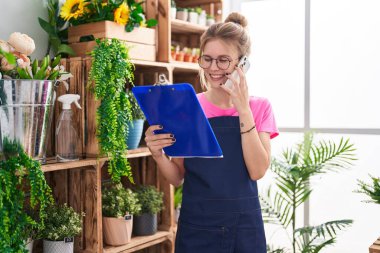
(200, 239)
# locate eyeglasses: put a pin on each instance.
(222, 62)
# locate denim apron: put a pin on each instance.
(220, 208)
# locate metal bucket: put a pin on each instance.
(26, 110)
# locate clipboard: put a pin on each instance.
(177, 109)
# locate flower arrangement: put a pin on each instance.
(124, 12)
(16, 64)
(61, 221)
(117, 201)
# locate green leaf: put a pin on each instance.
(151, 22)
(47, 27)
(65, 49)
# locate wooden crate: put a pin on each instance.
(375, 247)
(141, 41)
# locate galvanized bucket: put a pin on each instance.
(26, 110)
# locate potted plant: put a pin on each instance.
(202, 16)
(20, 176)
(210, 20)
(61, 225)
(182, 14)
(111, 69)
(177, 201)
(292, 188)
(151, 201)
(118, 207)
(136, 125)
(372, 190)
(193, 16)
(173, 9)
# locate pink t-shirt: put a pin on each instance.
(260, 107)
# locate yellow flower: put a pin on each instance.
(72, 9)
(121, 14)
(143, 23)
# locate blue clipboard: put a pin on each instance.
(177, 109)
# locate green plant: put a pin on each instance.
(56, 29)
(178, 197)
(136, 111)
(292, 189)
(117, 201)
(173, 4)
(209, 16)
(371, 190)
(61, 221)
(111, 69)
(181, 9)
(150, 199)
(198, 10)
(124, 12)
(19, 172)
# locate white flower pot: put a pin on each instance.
(58, 246)
(193, 17)
(177, 212)
(182, 15)
(173, 12)
(202, 18)
(210, 21)
(29, 245)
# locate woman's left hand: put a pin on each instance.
(238, 92)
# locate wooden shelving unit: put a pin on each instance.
(78, 183)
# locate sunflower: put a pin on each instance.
(121, 14)
(73, 9)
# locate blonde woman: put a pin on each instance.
(220, 209)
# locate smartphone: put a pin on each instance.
(244, 65)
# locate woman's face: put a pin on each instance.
(227, 57)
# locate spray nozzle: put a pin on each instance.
(67, 99)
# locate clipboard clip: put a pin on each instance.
(162, 80)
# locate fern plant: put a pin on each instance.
(293, 172)
(111, 69)
(18, 173)
(371, 190)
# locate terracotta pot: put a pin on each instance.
(117, 231)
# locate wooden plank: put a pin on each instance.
(180, 26)
(167, 216)
(99, 214)
(58, 184)
(77, 87)
(91, 222)
(75, 199)
(139, 242)
(109, 29)
(164, 31)
(194, 3)
(179, 66)
(136, 51)
(68, 165)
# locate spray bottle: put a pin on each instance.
(66, 136)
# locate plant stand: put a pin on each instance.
(375, 247)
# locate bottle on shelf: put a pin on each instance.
(66, 137)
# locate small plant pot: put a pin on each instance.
(145, 224)
(182, 15)
(117, 231)
(134, 133)
(173, 12)
(58, 246)
(193, 17)
(180, 56)
(29, 245)
(210, 21)
(202, 20)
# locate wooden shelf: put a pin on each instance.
(140, 242)
(150, 63)
(184, 66)
(53, 165)
(180, 26)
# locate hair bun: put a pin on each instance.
(237, 18)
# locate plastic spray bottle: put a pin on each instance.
(66, 136)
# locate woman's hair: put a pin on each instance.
(232, 30)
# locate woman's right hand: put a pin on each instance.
(156, 142)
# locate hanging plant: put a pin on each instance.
(18, 172)
(110, 71)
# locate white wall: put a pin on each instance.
(22, 16)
